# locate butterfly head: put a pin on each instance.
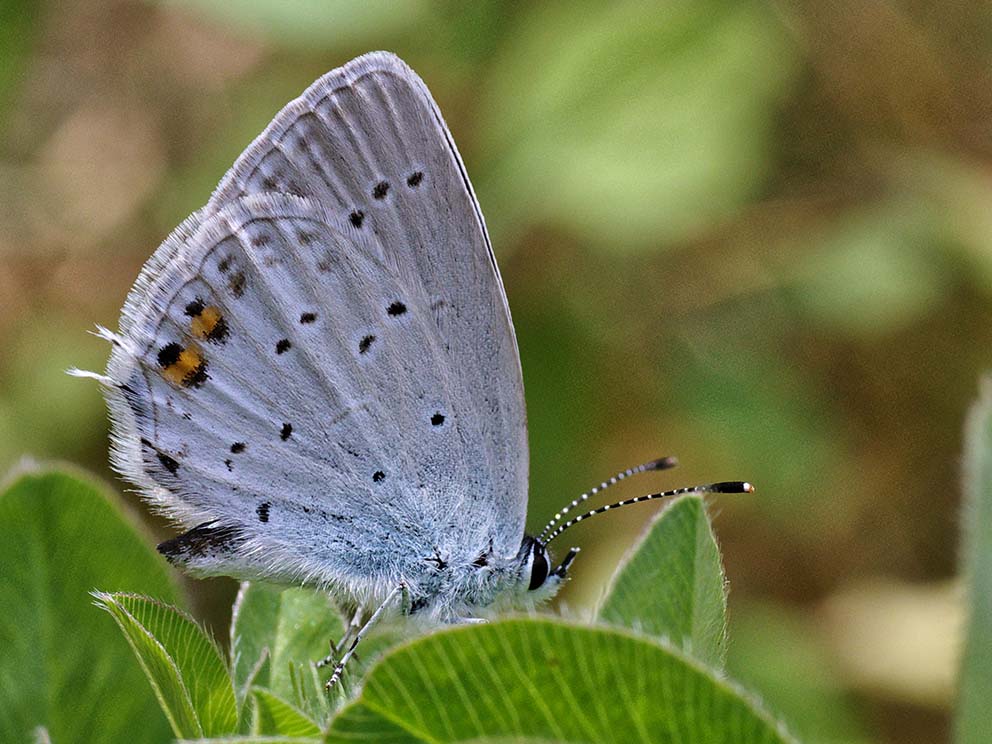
(536, 578)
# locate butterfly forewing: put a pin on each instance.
(322, 358)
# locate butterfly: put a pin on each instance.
(317, 375)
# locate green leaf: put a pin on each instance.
(184, 666)
(551, 681)
(274, 716)
(254, 740)
(879, 259)
(635, 129)
(313, 23)
(19, 25)
(783, 653)
(60, 536)
(974, 716)
(276, 635)
(671, 583)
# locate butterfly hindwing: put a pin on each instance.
(321, 360)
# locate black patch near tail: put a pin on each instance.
(200, 542)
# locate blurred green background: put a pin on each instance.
(753, 234)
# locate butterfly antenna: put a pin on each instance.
(725, 487)
(662, 463)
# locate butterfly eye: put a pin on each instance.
(539, 567)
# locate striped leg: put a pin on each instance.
(400, 591)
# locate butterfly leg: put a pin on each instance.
(349, 632)
(400, 591)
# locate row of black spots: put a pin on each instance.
(395, 309)
(379, 192)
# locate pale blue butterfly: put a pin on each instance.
(316, 374)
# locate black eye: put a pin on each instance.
(539, 568)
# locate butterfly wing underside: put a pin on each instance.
(319, 367)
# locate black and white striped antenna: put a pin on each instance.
(724, 487)
(662, 463)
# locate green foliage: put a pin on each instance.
(880, 261)
(275, 716)
(544, 680)
(312, 22)
(274, 637)
(974, 718)
(184, 666)
(633, 131)
(18, 21)
(774, 651)
(671, 584)
(61, 536)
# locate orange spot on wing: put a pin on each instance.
(187, 369)
(206, 322)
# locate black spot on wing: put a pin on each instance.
(219, 333)
(437, 419)
(356, 217)
(168, 463)
(195, 307)
(414, 179)
(365, 344)
(285, 432)
(283, 345)
(378, 476)
(306, 318)
(201, 541)
(263, 511)
(238, 447)
(236, 284)
(380, 190)
(198, 376)
(396, 308)
(169, 354)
